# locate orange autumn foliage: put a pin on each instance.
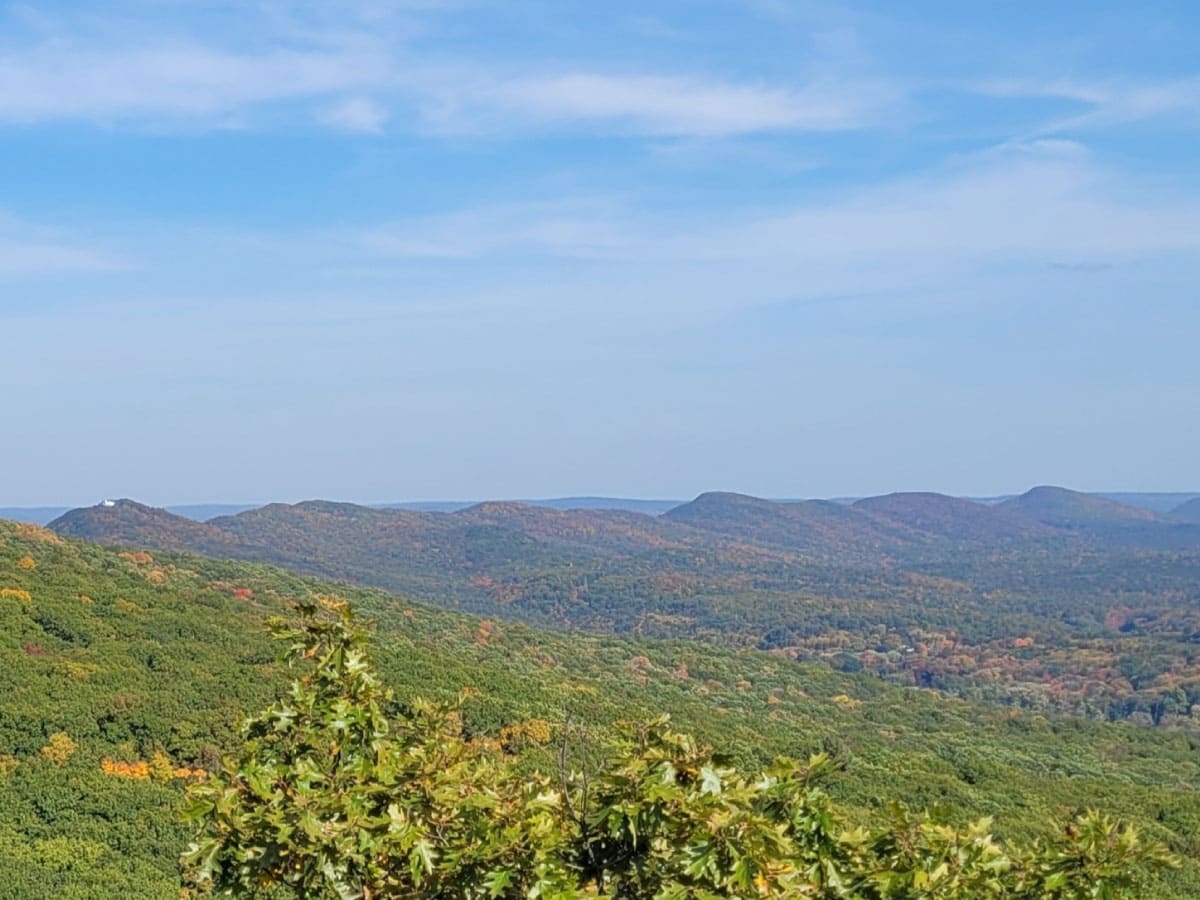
(141, 770)
(486, 633)
(31, 532)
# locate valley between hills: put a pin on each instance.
(1051, 601)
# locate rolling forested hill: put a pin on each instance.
(1188, 512)
(1054, 600)
(122, 675)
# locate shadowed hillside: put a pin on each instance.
(1063, 508)
(1102, 521)
(818, 527)
(953, 519)
(1188, 512)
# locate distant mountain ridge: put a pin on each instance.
(886, 523)
(918, 587)
(203, 512)
(399, 548)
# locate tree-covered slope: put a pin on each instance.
(120, 674)
(338, 791)
(1189, 511)
(134, 524)
(1063, 508)
(938, 517)
(989, 602)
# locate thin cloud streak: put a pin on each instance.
(572, 228)
(211, 87)
(1019, 216)
(175, 82)
(656, 105)
(28, 249)
(369, 73)
(1045, 201)
(357, 114)
(1108, 103)
(40, 258)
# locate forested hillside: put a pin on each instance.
(123, 675)
(1189, 511)
(1053, 600)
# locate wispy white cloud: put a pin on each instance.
(953, 234)
(1045, 208)
(27, 249)
(356, 114)
(20, 257)
(1107, 103)
(661, 105)
(1044, 201)
(173, 81)
(199, 84)
(371, 70)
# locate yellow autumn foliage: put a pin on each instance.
(519, 735)
(158, 768)
(59, 748)
(161, 768)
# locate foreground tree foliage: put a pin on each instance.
(340, 792)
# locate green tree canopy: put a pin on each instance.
(338, 791)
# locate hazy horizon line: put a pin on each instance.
(587, 496)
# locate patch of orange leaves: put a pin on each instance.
(139, 770)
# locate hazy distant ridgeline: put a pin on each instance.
(825, 528)
(203, 512)
(1054, 599)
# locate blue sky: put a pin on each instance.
(380, 251)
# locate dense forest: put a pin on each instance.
(1050, 601)
(124, 677)
(332, 796)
